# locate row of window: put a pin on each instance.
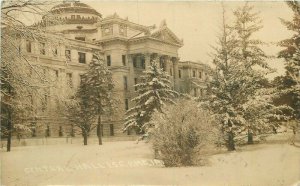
(108, 60)
(196, 92)
(71, 133)
(42, 47)
(199, 74)
(193, 75)
(125, 82)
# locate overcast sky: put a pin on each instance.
(197, 23)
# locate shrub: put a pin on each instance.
(182, 132)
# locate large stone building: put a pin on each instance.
(127, 48)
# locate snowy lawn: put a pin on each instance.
(127, 163)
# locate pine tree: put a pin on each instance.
(100, 89)
(239, 80)
(222, 88)
(289, 84)
(81, 112)
(250, 55)
(153, 93)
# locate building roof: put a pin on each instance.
(73, 6)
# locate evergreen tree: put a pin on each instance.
(222, 89)
(239, 81)
(98, 80)
(81, 111)
(153, 93)
(251, 57)
(289, 85)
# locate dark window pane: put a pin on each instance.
(108, 60)
(126, 104)
(111, 129)
(124, 60)
(81, 57)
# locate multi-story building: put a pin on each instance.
(193, 78)
(127, 48)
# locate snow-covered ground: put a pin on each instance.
(128, 163)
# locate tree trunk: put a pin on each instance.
(99, 130)
(231, 145)
(9, 128)
(85, 137)
(9, 122)
(250, 137)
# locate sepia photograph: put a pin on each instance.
(150, 93)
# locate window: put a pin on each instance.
(70, 79)
(171, 72)
(135, 82)
(42, 49)
(194, 73)
(48, 132)
(56, 73)
(143, 63)
(111, 129)
(68, 54)
(80, 38)
(179, 73)
(44, 103)
(126, 104)
(55, 52)
(195, 92)
(78, 16)
(81, 57)
(134, 62)
(124, 60)
(28, 46)
(108, 60)
(125, 82)
(72, 16)
(200, 75)
(33, 132)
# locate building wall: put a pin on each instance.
(113, 37)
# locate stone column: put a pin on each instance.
(167, 64)
(131, 72)
(175, 61)
(147, 60)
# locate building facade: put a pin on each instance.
(127, 48)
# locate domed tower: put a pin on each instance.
(75, 20)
